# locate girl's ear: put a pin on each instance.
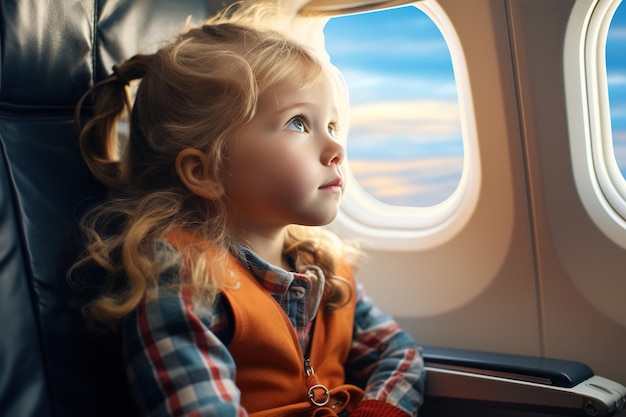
(192, 169)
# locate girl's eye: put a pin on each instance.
(331, 130)
(297, 124)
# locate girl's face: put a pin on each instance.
(285, 165)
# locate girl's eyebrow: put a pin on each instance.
(277, 100)
(291, 106)
(305, 106)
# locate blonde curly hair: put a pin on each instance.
(195, 92)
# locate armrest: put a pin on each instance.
(492, 381)
(557, 372)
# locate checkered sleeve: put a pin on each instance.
(176, 365)
(385, 360)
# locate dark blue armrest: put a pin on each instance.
(483, 384)
(557, 372)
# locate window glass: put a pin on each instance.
(405, 146)
(616, 80)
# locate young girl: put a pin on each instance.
(229, 302)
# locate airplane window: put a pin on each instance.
(405, 146)
(616, 81)
(595, 77)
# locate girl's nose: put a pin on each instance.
(334, 153)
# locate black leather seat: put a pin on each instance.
(51, 52)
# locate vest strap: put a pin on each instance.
(342, 398)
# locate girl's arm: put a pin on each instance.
(385, 360)
(176, 365)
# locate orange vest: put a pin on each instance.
(270, 369)
(267, 353)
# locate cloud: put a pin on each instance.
(616, 80)
(395, 150)
(411, 182)
(408, 30)
(403, 124)
(617, 33)
(403, 47)
(403, 111)
(366, 86)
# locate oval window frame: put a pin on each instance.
(600, 184)
(378, 225)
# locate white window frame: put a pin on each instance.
(600, 184)
(379, 225)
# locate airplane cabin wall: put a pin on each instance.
(510, 280)
(581, 271)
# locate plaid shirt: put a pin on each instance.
(178, 363)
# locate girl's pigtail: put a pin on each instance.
(98, 140)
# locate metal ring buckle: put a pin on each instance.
(312, 395)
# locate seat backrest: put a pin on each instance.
(51, 52)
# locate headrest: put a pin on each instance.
(52, 51)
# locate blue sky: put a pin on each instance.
(616, 77)
(405, 143)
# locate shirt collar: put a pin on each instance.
(278, 281)
(274, 279)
